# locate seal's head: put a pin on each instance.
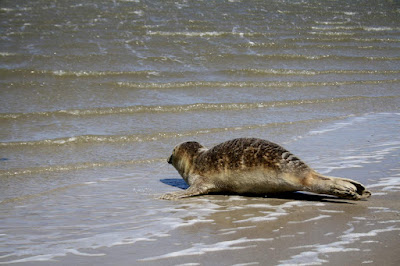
(186, 150)
(183, 155)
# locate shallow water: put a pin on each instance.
(95, 95)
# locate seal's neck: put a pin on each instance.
(186, 165)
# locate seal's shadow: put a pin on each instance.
(175, 182)
(303, 196)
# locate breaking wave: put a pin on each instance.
(179, 108)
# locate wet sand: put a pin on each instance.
(111, 214)
(288, 229)
(320, 233)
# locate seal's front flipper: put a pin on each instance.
(199, 187)
(179, 195)
(190, 192)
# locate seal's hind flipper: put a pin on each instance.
(340, 187)
(345, 189)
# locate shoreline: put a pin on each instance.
(312, 230)
(363, 232)
(287, 229)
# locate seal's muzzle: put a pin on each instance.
(170, 159)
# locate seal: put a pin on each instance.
(252, 166)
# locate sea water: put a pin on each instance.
(94, 95)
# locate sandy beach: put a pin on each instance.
(310, 230)
(289, 229)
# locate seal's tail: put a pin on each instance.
(339, 187)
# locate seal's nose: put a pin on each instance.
(170, 159)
